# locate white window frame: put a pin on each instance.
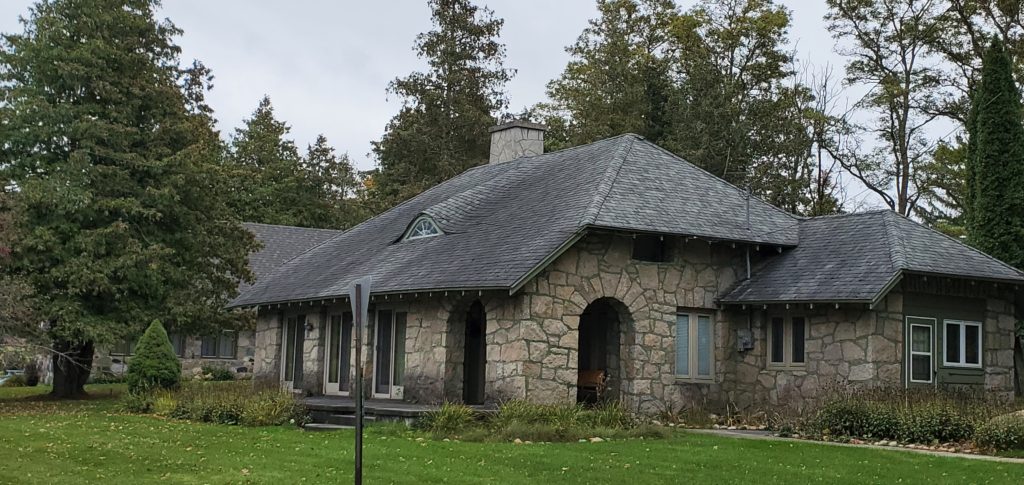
(410, 233)
(694, 348)
(911, 353)
(963, 324)
(787, 344)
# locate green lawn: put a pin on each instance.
(89, 442)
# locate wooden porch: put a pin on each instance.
(341, 410)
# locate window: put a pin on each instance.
(919, 349)
(219, 346)
(422, 227)
(651, 248)
(962, 344)
(124, 347)
(178, 344)
(694, 347)
(786, 342)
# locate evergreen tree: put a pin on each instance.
(116, 165)
(154, 364)
(996, 217)
(334, 184)
(442, 128)
(618, 80)
(273, 184)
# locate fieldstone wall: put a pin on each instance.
(849, 344)
(267, 359)
(647, 297)
(533, 337)
(1000, 325)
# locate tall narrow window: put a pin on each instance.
(695, 350)
(962, 344)
(786, 338)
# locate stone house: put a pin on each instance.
(524, 277)
(232, 349)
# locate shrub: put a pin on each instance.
(1002, 433)
(17, 380)
(217, 373)
(448, 420)
(154, 365)
(231, 403)
(163, 403)
(107, 378)
(138, 401)
(905, 415)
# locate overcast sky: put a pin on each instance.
(326, 64)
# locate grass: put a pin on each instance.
(91, 442)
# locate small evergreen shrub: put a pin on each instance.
(154, 366)
(1002, 433)
(217, 373)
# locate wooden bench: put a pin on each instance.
(595, 381)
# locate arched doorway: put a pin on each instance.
(475, 357)
(601, 326)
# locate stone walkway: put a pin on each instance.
(767, 435)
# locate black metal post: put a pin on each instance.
(357, 318)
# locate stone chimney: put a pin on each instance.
(516, 139)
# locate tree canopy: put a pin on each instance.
(442, 127)
(995, 162)
(273, 184)
(117, 168)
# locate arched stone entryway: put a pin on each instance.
(601, 335)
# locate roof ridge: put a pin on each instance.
(896, 247)
(968, 246)
(292, 227)
(846, 214)
(608, 180)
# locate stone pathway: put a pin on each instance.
(767, 435)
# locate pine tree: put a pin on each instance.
(116, 164)
(273, 184)
(996, 163)
(334, 184)
(619, 78)
(154, 364)
(441, 129)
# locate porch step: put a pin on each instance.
(325, 427)
(338, 419)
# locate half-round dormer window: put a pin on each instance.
(422, 227)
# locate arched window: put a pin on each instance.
(422, 227)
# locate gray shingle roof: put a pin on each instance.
(501, 221)
(854, 257)
(281, 244)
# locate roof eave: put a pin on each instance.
(334, 298)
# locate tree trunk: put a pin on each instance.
(1018, 364)
(72, 363)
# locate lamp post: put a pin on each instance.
(359, 296)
